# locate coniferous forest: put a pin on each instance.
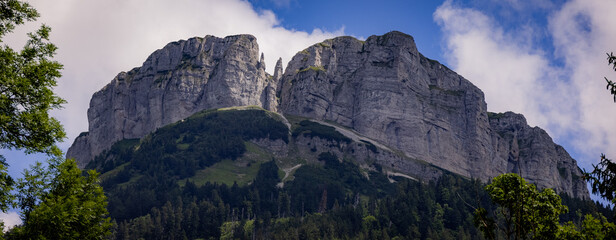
(244, 172)
(153, 193)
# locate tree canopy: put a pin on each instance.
(27, 78)
(57, 202)
(603, 176)
(67, 206)
(525, 210)
(525, 213)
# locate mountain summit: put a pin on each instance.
(381, 92)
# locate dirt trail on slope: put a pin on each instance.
(352, 134)
(287, 172)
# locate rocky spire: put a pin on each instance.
(382, 88)
(262, 61)
(278, 70)
(270, 101)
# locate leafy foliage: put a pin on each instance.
(66, 206)
(578, 208)
(603, 178)
(15, 13)
(526, 211)
(33, 187)
(6, 186)
(57, 202)
(591, 228)
(26, 81)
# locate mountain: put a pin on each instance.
(238, 173)
(406, 114)
(386, 90)
(249, 173)
(173, 83)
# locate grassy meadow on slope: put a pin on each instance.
(204, 177)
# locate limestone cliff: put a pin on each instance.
(530, 152)
(418, 111)
(174, 82)
(386, 90)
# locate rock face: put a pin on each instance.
(531, 153)
(381, 88)
(174, 82)
(386, 90)
(81, 150)
(270, 101)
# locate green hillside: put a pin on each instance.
(206, 177)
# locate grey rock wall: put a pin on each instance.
(531, 153)
(174, 82)
(386, 90)
(382, 88)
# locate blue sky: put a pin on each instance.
(544, 59)
(521, 53)
(361, 18)
(364, 18)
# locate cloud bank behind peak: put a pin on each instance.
(98, 39)
(560, 89)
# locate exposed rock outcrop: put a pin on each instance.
(174, 82)
(386, 90)
(383, 89)
(270, 99)
(531, 153)
(81, 150)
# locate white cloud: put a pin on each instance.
(568, 100)
(497, 62)
(98, 39)
(583, 31)
(10, 219)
